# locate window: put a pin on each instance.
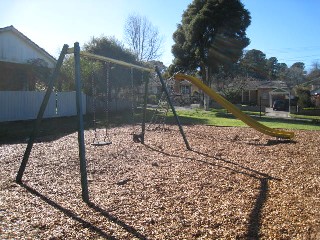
(184, 89)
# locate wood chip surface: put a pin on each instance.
(235, 184)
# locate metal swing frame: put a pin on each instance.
(78, 83)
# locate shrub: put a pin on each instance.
(304, 97)
(152, 99)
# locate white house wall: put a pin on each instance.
(15, 49)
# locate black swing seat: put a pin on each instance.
(138, 138)
(101, 143)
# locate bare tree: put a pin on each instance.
(142, 37)
(316, 65)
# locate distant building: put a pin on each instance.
(264, 92)
(18, 56)
(315, 97)
(182, 92)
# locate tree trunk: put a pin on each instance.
(206, 99)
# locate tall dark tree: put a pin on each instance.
(120, 77)
(211, 34)
(304, 96)
(272, 67)
(298, 65)
(255, 64)
(282, 71)
(109, 47)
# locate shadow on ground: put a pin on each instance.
(87, 224)
(255, 217)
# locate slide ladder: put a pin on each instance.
(234, 110)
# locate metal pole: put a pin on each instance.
(43, 106)
(112, 60)
(172, 108)
(143, 130)
(82, 152)
(260, 102)
(289, 101)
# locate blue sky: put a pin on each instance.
(286, 29)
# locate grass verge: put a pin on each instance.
(223, 118)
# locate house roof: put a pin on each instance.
(27, 40)
(315, 92)
(185, 82)
(254, 85)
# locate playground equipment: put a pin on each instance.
(158, 118)
(162, 109)
(234, 110)
(78, 83)
(138, 137)
(106, 139)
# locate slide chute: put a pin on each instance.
(234, 110)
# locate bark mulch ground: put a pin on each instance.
(234, 184)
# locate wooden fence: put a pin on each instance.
(24, 105)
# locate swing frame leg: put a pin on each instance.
(172, 108)
(82, 149)
(42, 109)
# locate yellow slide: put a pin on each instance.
(234, 110)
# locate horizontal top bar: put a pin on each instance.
(70, 50)
(102, 58)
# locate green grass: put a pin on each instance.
(11, 132)
(297, 116)
(223, 118)
(215, 118)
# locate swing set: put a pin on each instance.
(137, 137)
(98, 139)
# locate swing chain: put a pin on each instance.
(107, 101)
(94, 93)
(132, 100)
(106, 140)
